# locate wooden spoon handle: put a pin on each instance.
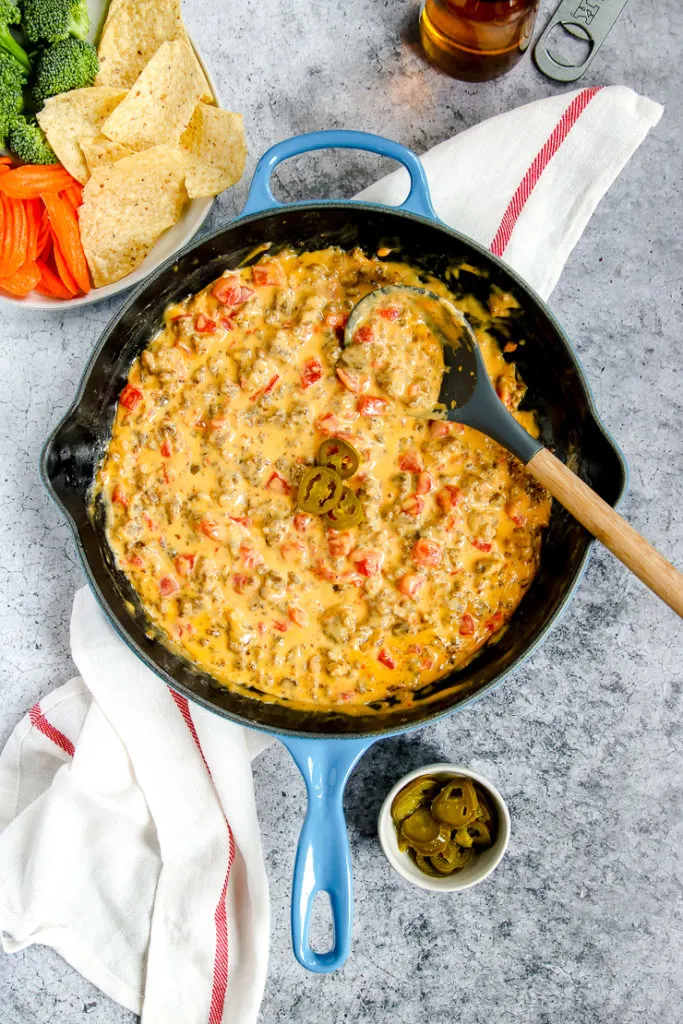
(608, 526)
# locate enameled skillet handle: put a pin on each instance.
(323, 858)
(261, 198)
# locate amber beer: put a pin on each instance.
(476, 39)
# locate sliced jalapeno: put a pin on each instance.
(339, 455)
(346, 512)
(423, 833)
(425, 865)
(320, 490)
(412, 796)
(457, 803)
(474, 834)
(450, 859)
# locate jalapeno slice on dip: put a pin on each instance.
(320, 490)
(339, 455)
(347, 512)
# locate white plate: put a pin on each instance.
(173, 239)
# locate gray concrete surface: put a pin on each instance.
(582, 922)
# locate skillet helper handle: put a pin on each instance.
(261, 197)
(610, 528)
(323, 857)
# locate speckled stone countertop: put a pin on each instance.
(582, 921)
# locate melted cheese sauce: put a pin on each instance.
(221, 415)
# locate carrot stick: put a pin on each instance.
(50, 283)
(34, 211)
(64, 227)
(20, 233)
(7, 237)
(34, 180)
(44, 236)
(63, 268)
(74, 194)
(22, 281)
(6, 160)
(4, 169)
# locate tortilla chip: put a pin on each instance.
(158, 107)
(76, 115)
(126, 206)
(215, 149)
(101, 151)
(132, 34)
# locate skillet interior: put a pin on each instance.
(556, 388)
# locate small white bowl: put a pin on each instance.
(479, 867)
(168, 243)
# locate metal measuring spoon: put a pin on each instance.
(468, 396)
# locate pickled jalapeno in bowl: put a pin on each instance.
(444, 828)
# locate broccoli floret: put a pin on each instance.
(52, 20)
(12, 79)
(27, 141)
(69, 64)
(9, 15)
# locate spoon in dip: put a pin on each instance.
(460, 390)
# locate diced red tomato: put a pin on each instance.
(364, 336)
(302, 522)
(242, 520)
(184, 564)
(278, 484)
(118, 496)
(351, 382)
(410, 584)
(227, 323)
(293, 551)
(264, 391)
(166, 449)
(209, 529)
(425, 482)
(515, 511)
(311, 372)
(411, 461)
(326, 572)
(426, 552)
(250, 556)
(339, 543)
(385, 658)
(391, 313)
(368, 562)
(265, 274)
(203, 324)
(130, 397)
(336, 320)
(482, 545)
(298, 616)
(371, 406)
(240, 582)
(148, 520)
(439, 428)
(281, 627)
(448, 497)
(466, 627)
(327, 424)
(168, 585)
(413, 505)
(230, 292)
(494, 623)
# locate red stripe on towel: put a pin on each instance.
(41, 723)
(220, 917)
(541, 161)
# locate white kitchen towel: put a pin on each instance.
(525, 183)
(128, 832)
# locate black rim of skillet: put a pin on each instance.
(72, 452)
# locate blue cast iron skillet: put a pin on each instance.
(326, 745)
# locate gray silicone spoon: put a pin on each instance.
(468, 396)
